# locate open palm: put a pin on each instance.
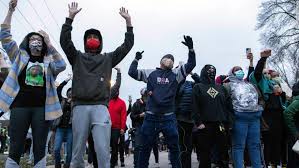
(124, 13)
(73, 9)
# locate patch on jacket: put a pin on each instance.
(212, 92)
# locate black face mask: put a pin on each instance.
(211, 72)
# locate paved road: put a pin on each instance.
(163, 159)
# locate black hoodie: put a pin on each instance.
(211, 102)
(92, 71)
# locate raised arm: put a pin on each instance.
(258, 73)
(9, 45)
(57, 63)
(127, 45)
(118, 79)
(251, 67)
(183, 71)
(66, 37)
(138, 74)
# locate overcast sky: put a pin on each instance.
(221, 30)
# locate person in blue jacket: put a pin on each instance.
(162, 84)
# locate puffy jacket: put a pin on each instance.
(245, 97)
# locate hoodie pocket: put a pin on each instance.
(90, 87)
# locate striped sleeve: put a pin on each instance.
(8, 44)
(58, 64)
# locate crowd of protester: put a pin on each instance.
(226, 120)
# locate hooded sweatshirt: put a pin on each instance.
(244, 95)
(211, 102)
(118, 113)
(163, 84)
(37, 83)
(92, 70)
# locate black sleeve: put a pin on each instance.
(135, 112)
(125, 48)
(129, 109)
(258, 73)
(66, 42)
(196, 105)
(250, 70)
(59, 89)
(229, 104)
(196, 77)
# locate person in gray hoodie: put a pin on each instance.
(247, 115)
(91, 87)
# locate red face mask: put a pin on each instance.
(92, 44)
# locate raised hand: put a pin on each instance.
(12, 5)
(73, 10)
(46, 37)
(139, 55)
(125, 14)
(266, 53)
(188, 42)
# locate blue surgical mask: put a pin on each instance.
(239, 74)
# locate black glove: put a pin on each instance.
(188, 42)
(139, 55)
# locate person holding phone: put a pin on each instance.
(247, 114)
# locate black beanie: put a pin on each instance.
(169, 56)
(295, 89)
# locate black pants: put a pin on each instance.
(207, 139)
(185, 141)
(92, 156)
(275, 142)
(293, 158)
(114, 143)
(121, 148)
(20, 120)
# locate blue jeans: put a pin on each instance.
(152, 126)
(63, 135)
(246, 129)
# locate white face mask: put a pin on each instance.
(36, 46)
(167, 63)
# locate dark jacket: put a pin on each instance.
(184, 100)
(138, 107)
(291, 116)
(65, 121)
(163, 84)
(211, 102)
(92, 71)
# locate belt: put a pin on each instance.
(163, 114)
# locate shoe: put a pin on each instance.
(57, 165)
(122, 164)
(156, 165)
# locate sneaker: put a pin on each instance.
(156, 165)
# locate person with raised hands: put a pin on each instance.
(29, 90)
(162, 84)
(91, 86)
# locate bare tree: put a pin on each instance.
(280, 32)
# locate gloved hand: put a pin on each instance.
(139, 55)
(188, 42)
